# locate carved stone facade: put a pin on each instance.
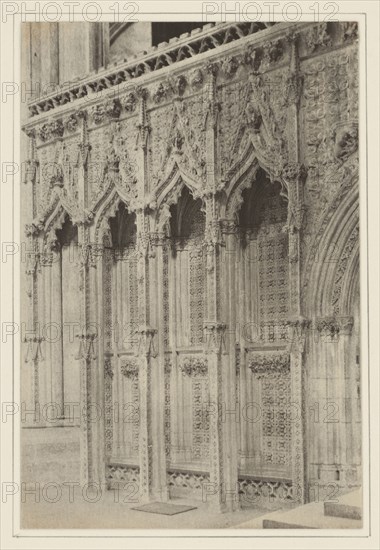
(193, 232)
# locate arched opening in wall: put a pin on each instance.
(128, 39)
(187, 423)
(123, 230)
(121, 314)
(163, 32)
(262, 305)
(66, 311)
(333, 443)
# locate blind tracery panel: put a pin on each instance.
(264, 375)
(189, 389)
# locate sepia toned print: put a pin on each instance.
(190, 306)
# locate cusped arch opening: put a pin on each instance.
(261, 202)
(67, 234)
(187, 217)
(123, 228)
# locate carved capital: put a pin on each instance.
(215, 336)
(86, 350)
(194, 366)
(34, 350)
(270, 364)
(129, 368)
(297, 330)
(332, 327)
(146, 336)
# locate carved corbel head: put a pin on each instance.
(230, 66)
(161, 93)
(130, 102)
(112, 108)
(71, 123)
(180, 84)
(212, 68)
(196, 79)
(274, 51)
(346, 139)
(253, 58)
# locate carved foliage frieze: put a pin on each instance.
(270, 364)
(129, 368)
(193, 366)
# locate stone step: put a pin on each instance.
(308, 516)
(349, 506)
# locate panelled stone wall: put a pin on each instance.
(192, 232)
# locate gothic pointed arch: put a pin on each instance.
(333, 259)
(106, 211)
(54, 223)
(169, 193)
(241, 177)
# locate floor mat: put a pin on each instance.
(164, 508)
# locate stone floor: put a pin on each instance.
(106, 513)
